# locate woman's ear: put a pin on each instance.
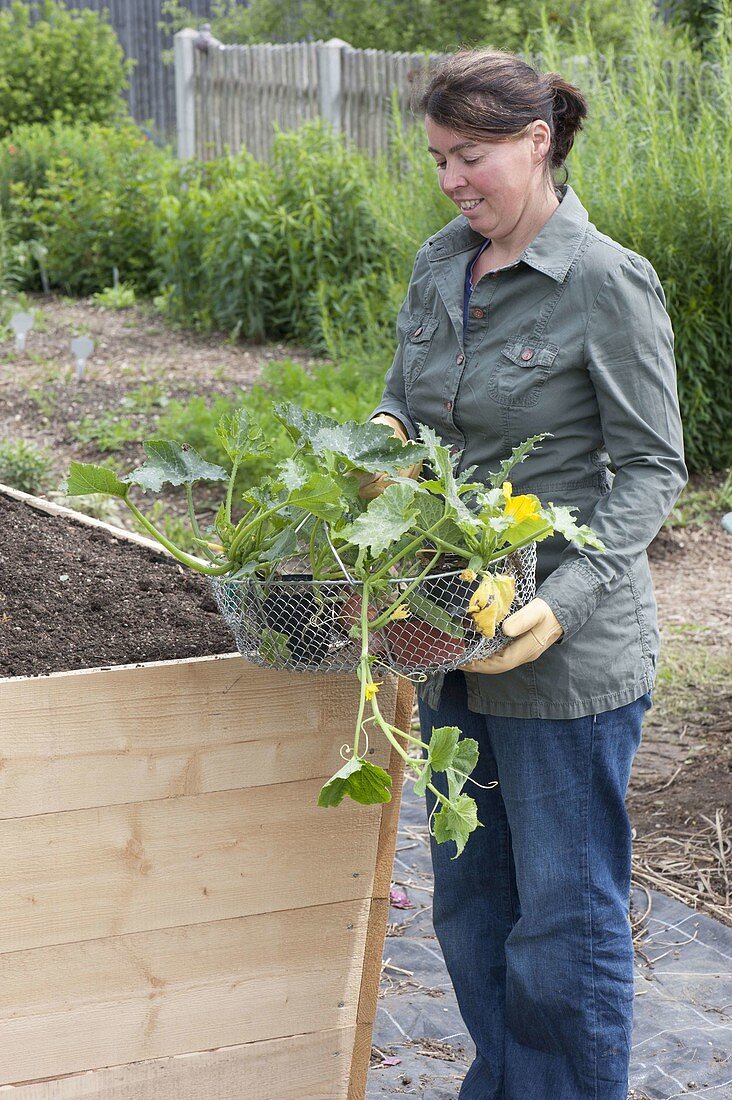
(541, 138)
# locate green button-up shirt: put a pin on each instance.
(572, 339)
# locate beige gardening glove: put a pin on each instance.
(372, 485)
(535, 628)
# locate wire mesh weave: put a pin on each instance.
(297, 623)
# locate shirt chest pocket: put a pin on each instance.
(523, 367)
(417, 343)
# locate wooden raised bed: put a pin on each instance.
(179, 918)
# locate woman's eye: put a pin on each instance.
(473, 161)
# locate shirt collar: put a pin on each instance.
(552, 250)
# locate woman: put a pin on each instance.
(522, 318)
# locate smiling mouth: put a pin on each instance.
(469, 204)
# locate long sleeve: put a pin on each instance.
(630, 359)
(393, 398)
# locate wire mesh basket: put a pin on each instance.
(297, 623)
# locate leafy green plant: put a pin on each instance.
(24, 466)
(251, 249)
(309, 509)
(121, 296)
(66, 64)
(83, 200)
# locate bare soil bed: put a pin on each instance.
(73, 596)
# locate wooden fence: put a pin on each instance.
(151, 94)
(231, 96)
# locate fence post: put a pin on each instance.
(330, 100)
(185, 92)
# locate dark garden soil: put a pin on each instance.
(73, 596)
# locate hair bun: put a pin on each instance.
(569, 108)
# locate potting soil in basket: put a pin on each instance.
(73, 596)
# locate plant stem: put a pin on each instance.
(383, 618)
(517, 546)
(389, 733)
(185, 559)
(230, 489)
(364, 669)
(408, 549)
(242, 532)
(313, 533)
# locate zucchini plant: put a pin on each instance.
(307, 515)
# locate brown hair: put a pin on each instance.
(492, 95)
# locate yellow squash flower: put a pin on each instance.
(373, 689)
(490, 602)
(468, 575)
(401, 612)
(519, 508)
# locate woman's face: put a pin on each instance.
(505, 177)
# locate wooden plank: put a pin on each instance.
(250, 729)
(111, 1001)
(112, 870)
(300, 1067)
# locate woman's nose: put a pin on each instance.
(452, 179)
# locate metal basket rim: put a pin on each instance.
(312, 581)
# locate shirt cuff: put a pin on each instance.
(572, 592)
(393, 409)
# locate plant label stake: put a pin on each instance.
(81, 347)
(21, 324)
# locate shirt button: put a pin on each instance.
(454, 450)
(527, 354)
(477, 312)
(460, 359)
(448, 406)
(417, 332)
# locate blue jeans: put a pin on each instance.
(533, 917)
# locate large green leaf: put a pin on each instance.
(563, 521)
(321, 496)
(531, 528)
(464, 761)
(239, 437)
(293, 473)
(443, 744)
(387, 518)
(363, 782)
(369, 447)
(456, 821)
(85, 477)
(518, 454)
(450, 485)
(174, 464)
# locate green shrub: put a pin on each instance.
(11, 266)
(89, 196)
(24, 466)
(254, 249)
(66, 63)
(118, 296)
